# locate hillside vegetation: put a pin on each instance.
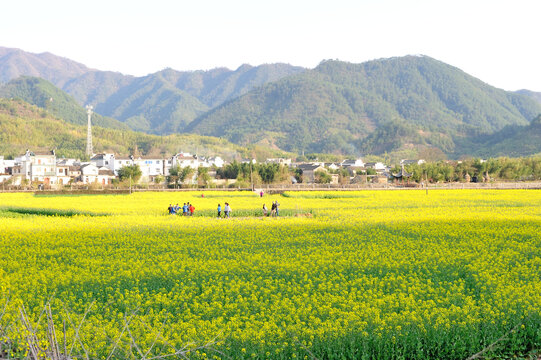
(24, 126)
(412, 106)
(54, 102)
(336, 106)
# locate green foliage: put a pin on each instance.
(53, 101)
(131, 172)
(253, 173)
(321, 177)
(22, 127)
(496, 169)
(178, 175)
(166, 101)
(338, 106)
(514, 141)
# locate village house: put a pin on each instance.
(357, 163)
(215, 161)
(186, 160)
(332, 166)
(62, 174)
(280, 161)
(90, 173)
(6, 169)
(412, 162)
(35, 167)
(119, 162)
(104, 160)
(150, 168)
(378, 166)
(309, 172)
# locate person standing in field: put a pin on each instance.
(227, 210)
(265, 211)
(219, 210)
(192, 209)
(273, 209)
(184, 209)
(261, 193)
(277, 206)
(170, 209)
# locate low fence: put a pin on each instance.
(279, 188)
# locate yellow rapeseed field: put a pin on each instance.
(338, 275)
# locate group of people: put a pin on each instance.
(187, 209)
(275, 209)
(227, 210)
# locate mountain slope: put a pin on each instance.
(151, 104)
(57, 103)
(23, 126)
(534, 95)
(58, 70)
(337, 105)
(514, 141)
(166, 101)
(163, 102)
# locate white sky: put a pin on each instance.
(496, 41)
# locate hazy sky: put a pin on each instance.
(496, 41)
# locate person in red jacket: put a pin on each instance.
(192, 209)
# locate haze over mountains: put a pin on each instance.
(409, 104)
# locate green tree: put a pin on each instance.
(321, 177)
(203, 177)
(130, 171)
(177, 175)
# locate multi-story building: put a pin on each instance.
(36, 167)
(150, 167)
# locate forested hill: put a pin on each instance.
(162, 102)
(166, 101)
(513, 141)
(53, 102)
(336, 106)
(534, 95)
(25, 126)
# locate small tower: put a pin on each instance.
(89, 131)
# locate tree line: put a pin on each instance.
(517, 169)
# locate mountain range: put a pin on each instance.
(407, 104)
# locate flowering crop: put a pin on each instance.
(368, 274)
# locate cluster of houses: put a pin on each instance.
(45, 168)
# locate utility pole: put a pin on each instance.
(89, 149)
(251, 175)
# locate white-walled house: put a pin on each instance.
(36, 167)
(167, 165)
(121, 161)
(104, 160)
(6, 165)
(353, 163)
(378, 166)
(185, 160)
(89, 173)
(105, 176)
(211, 161)
(332, 166)
(216, 161)
(150, 167)
(63, 174)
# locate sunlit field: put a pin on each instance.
(338, 275)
